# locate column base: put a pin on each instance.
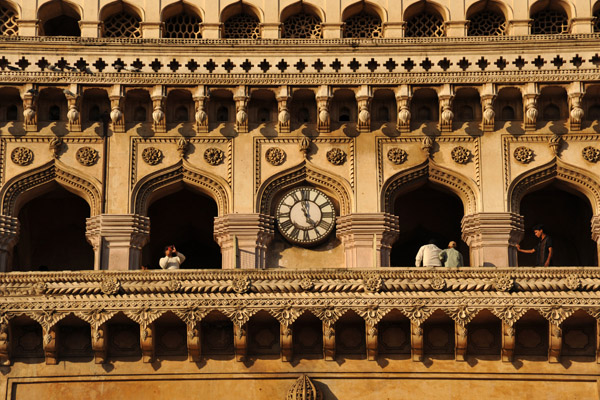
(244, 239)
(492, 238)
(368, 238)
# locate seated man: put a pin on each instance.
(429, 255)
(451, 257)
(172, 259)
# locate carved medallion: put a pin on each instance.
(573, 283)
(461, 155)
(304, 389)
(503, 283)
(306, 284)
(174, 285)
(214, 156)
(336, 156)
(591, 154)
(240, 285)
(373, 283)
(152, 155)
(438, 283)
(110, 286)
(87, 156)
(275, 156)
(22, 156)
(397, 155)
(523, 154)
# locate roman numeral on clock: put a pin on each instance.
(328, 215)
(286, 225)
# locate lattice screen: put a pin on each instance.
(122, 25)
(183, 26)
(8, 22)
(425, 25)
(302, 26)
(242, 26)
(363, 25)
(549, 22)
(487, 23)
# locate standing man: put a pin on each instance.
(172, 259)
(429, 255)
(543, 249)
(451, 257)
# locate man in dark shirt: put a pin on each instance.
(543, 250)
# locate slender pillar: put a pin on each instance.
(9, 235)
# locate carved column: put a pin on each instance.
(492, 238)
(5, 344)
(323, 116)
(50, 344)
(530, 97)
(488, 95)
(446, 95)
(364, 95)
(240, 341)
(576, 92)
(116, 108)
(241, 98)
(117, 240)
(508, 342)
(597, 341)
(368, 238)
(9, 235)
(158, 114)
(283, 117)
(201, 116)
(100, 343)
(403, 96)
(244, 239)
(596, 232)
(147, 342)
(74, 101)
(416, 340)
(29, 95)
(372, 334)
(192, 318)
(555, 345)
(329, 341)
(286, 342)
(460, 342)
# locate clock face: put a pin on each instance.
(305, 216)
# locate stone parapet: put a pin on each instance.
(491, 238)
(244, 239)
(117, 240)
(367, 238)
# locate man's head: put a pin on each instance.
(452, 245)
(538, 230)
(169, 250)
(432, 241)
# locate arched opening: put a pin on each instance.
(350, 341)
(217, 336)
(75, 340)
(486, 18)
(8, 21)
(95, 105)
(566, 216)
(424, 107)
(222, 114)
(467, 107)
(394, 336)
(423, 19)
(579, 337)
(182, 21)
(263, 336)
(180, 106)
(59, 18)
(308, 337)
(596, 17)
(26, 338)
(240, 21)
(10, 104)
(52, 234)
(262, 107)
(121, 20)
(192, 233)
(438, 336)
(362, 21)
(549, 18)
(426, 213)
(221, 106)
(170, 337)
(383, 107)
(508, 106)
(52, 105)
(301, 21)
(591, 103)
(484, 340)
(531, 337)
(553, 105)
(344, 107)
(303, 108)
(137, 106)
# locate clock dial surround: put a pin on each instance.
(305, 216)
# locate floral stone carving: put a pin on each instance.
(214, 156)
(373, 283)
(306, 284)
(304, 389)
(22, 156)
(438, 283)
(461, 155)
(87, 156)
(397, 155)
(591, 154)
(152, 155)
(110, 286)
(336, 156)
(275, 156)
(523, 154)
(240, 285)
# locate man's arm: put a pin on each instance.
(419, 258)
(443, 256)
(163, 262)
(461, 262)
(519, 249)
(547, 263)
(181, 257)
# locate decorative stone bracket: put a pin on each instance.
(403, 96)
(283, 115)
(364, 95)
(158, 114)
(74, 103)
(116, 109)
(241, 98)
(323, 98)
(117, 240)
(244, 239)
(29, 94)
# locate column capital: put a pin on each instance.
(244, 239)
(368, 238)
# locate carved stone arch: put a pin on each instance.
(302, 7)
(242, 7)
(493, 5)
(28, 185)
(430, 171)
(161, 183)
(580, 180)
(565, 5)
(418, 6)
(13, 6)
(115, 7)
(174, 7)
(304, 172)
(368, 6)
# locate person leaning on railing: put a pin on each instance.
(172, 259)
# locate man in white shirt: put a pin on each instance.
(429, 255)
(172, 259)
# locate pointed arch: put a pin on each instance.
(175, 7)
(302, 7)
(430, 171)
(304, 172)
(242, 7)
(581, 181)
(30, 184)
(163, 182)
(365, 6)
